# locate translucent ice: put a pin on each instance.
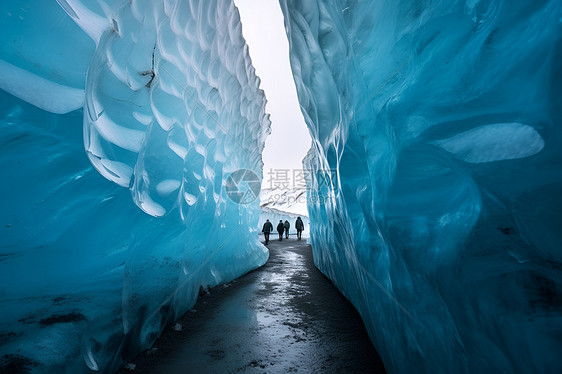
(171, 107)
(442, 221)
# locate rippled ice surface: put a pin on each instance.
(160, 97)
(441, 224)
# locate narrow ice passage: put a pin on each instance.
(283, 317)
(127, 128)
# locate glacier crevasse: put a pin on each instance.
(163, 98)
(440, 124)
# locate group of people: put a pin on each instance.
(282, 227)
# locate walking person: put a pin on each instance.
(299, 225)
(267, 228)
(280, 229)
(287, 227)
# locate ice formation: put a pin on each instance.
(441, 224)
(163, 97)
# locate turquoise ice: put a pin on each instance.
(434, 197)
(119, 124)
(442, 221)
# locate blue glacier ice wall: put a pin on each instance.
(161, 99)
(441, 122)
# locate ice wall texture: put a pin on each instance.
(171, 107)
(442, 223)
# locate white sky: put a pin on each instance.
(264, 31)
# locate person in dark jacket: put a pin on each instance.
(280, 229)
(287, 227)
(267, 228)
(299, 225)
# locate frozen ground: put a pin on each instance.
(283, 317)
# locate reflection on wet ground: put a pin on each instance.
(284, 317)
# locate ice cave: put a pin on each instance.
(127, 128)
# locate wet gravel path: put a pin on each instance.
(284, 317)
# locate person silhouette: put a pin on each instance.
(267, 228)
(299, 225)
(287, 227)
(280, 229)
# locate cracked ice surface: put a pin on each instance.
(171, 107)
(442, 224)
